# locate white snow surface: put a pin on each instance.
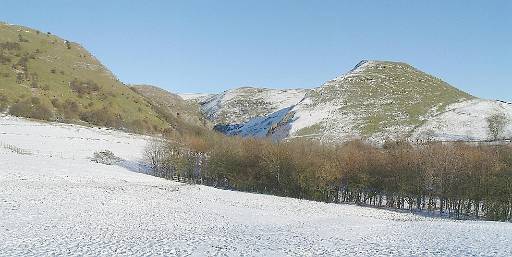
(55, 202)
(467, 121)
(199, 97)
(239, 105)
(259, 127)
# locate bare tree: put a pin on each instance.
(497, 123)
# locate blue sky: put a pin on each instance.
(211, 46)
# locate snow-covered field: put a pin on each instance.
(55, 201)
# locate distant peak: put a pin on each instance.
(243, 89)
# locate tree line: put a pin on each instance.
(459, 180)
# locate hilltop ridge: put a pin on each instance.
(43, 76)
(374, 101)
(46, 77)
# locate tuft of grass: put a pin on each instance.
(309, 131)
(15, 149)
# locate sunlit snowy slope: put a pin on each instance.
(375, 101)
(55, 201)
(239, 105)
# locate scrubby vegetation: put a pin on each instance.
(497, 124)
(458, 180)
(32, 108)
(380, 96)
(84, 87)
(3, 102)
(70, 85)
(171, 107)
(105, 157)
(15, 149)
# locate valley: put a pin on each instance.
(376, 101)
(382, 160)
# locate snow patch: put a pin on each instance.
(466, 121)
(199, 97)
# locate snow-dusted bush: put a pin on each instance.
(105, 157)
(158, 155)
(497, 123)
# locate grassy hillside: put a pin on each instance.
(172, 107)
(46, 77)
(379, 98)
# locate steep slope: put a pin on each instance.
(232, 108)
(375, 100)
(45, 77)
(172, 106)
(380, 100)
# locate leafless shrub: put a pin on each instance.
(105, 157)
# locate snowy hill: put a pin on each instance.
(198, 97)
(55, 201)
(474, 120)
(237, 106)
(375, 101)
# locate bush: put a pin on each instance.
(22, 39)
(21, 64)
(9, 46)
(45, 87)
(103, 117)
(497, 124)
(20, 77)
(56, 103)
(42, 112)
(4, 102)
(32, 108)
(140, 126)
(71, 110)
(105, 157)
(455, 179)
(84, 87)
(4, 59)
(21, 109)
(35, 101)
(34, 84)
